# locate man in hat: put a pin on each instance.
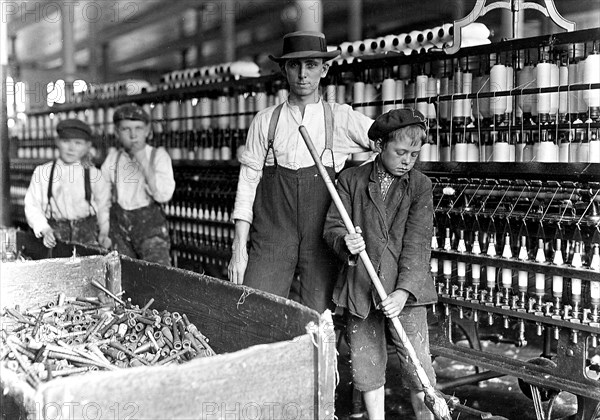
(393, 204)
(141, 177)
(67, 198)
(281, 200)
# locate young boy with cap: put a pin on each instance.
(141, 179)
(67, 198)
(281, 200)
(393, 204)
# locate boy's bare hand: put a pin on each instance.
(355, 242)
(394, 303)
(49, 238)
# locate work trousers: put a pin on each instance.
(140, 233)
(286, 237)
(83, 231)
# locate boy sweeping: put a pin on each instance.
(393, 204)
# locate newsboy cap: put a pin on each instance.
(73, 129)
(393, 120)
(304, 44)
(131, 111)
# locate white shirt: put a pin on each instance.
(131, 185)
(68, 195)
(349, 136)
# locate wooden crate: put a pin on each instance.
(276, 358)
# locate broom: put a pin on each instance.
(436, 403)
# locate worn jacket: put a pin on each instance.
(397, 237)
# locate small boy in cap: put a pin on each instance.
(67, 198)
(393, 204)
(141, 179)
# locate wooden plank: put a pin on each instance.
(233, 317)
(33, 283)
(32, 247)
(326, 366)
(272, 381)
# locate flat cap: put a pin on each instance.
(131, 112)
(393, 120)
(73, 129)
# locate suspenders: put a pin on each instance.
(328, 130)
(115, 192)
(87, 185)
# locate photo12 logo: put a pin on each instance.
(86, 411)
(54, 11)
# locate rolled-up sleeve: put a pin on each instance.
(34, 203)
(165, 181)
(413, 265)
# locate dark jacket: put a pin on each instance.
(397, 237)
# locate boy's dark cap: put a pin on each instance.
(304, 44)
(131, 112)
(73, 129)
(393, 120)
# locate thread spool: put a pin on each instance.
(500, 148)
(370, 96)
(591, 74)
(525, 80)
(467, 86)
(473, 148)
(547, 152)
(355, 49)
(554, 78)
(564, 146)
(340, 94)
(582, 105)
(414, 39)
(421, 87)
(461, 152)
(563, 98)
(282, 95)
(260, 100)
(572, 98)
(510, 84)
(188, 115)
(388, 93)
(475, 30)
(484, 104)
(457, 88)
(330, 93)
(222, 107)
(443, 106)
(497, 84)
(399, 93)
(346, 48)
(358, 94)
(431, 92)
(594, 154)
(203, 111)
(173, 115)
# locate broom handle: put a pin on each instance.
(364, 256)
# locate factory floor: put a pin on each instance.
(499, 396)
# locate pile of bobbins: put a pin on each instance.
(76, 335)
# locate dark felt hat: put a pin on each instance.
(393, 120)
(304, 44)
(73, 129)
(131, 112)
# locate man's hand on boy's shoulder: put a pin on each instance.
(394, 303)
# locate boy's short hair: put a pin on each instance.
(131, 111)
(399, 124)
(73, 128)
